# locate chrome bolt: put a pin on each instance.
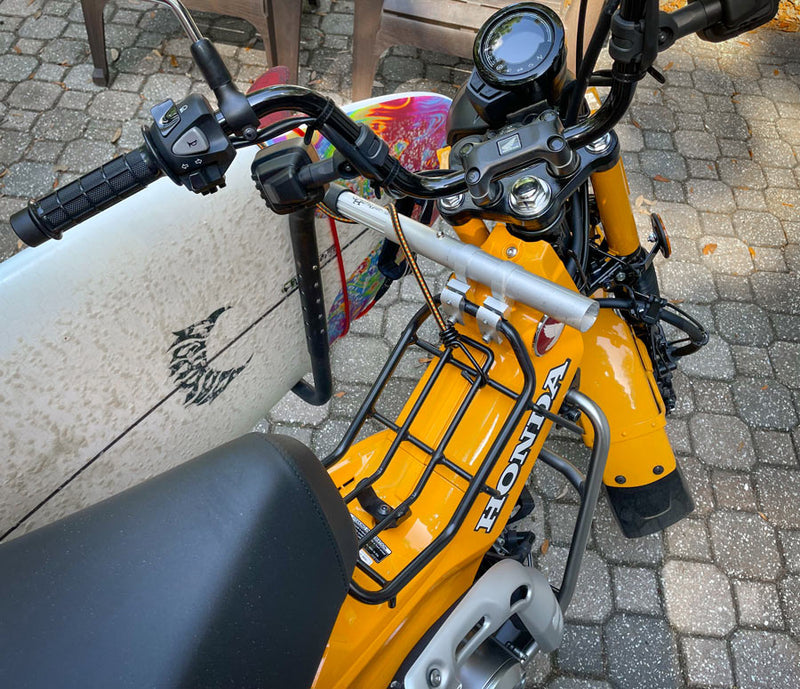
(601, 145)
(530, 197)
(434, 677)
(511, 251)
(451, 203)
(620, 276)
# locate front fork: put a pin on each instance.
(645, 486)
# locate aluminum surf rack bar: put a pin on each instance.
(503, 277)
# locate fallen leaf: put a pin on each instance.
(660, 178)
(709, 249)
(340, 394)
(173, 61)
(425, 359)
(20, 245)
(17, 49)
(55, 183)
(545, 546)
(752, 251)
(788, 205)
(114, 54)
(777, 72)
(764, 387)
(62, 85)
(763, 516)
(744, 43)
(37, 14)
(676, 301)
(669, 66)
(740, 446)
(636, 124)
(157, 52)
(115, 136)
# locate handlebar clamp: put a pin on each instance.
(634, 43)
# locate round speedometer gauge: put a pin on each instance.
(519, 45)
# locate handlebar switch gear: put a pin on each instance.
(189, 144)
(278, 173)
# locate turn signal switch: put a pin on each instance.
(189, 145)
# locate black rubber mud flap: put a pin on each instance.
(643, 510)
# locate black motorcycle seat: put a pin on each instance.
(227, 571)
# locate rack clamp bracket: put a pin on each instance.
(453, 298)
(489, 315)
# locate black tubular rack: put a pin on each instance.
(476, 483)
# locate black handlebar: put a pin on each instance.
(359, 144)
(57, 212)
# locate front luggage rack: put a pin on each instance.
(385, 516)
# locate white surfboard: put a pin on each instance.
(161, 328)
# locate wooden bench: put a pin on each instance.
(276, 21)
(445, 26)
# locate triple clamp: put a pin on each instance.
(490, 313)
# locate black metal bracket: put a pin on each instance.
(634, 43)
(477, 485)
(315, 317)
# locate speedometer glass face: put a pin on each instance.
(518, 44)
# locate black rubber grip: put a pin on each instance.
(55, 213)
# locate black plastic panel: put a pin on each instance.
(739, 16)
(644, 510)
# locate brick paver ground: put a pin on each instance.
(714, 601)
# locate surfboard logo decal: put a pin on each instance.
(190, 367)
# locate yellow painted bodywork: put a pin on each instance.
(369, 642)
(384, 636)
(617, 374)
(611, 192)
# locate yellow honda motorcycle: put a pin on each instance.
(396, 561)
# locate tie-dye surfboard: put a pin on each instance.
(415, 127)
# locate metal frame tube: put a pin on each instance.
(591, 491)
(183, 16)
